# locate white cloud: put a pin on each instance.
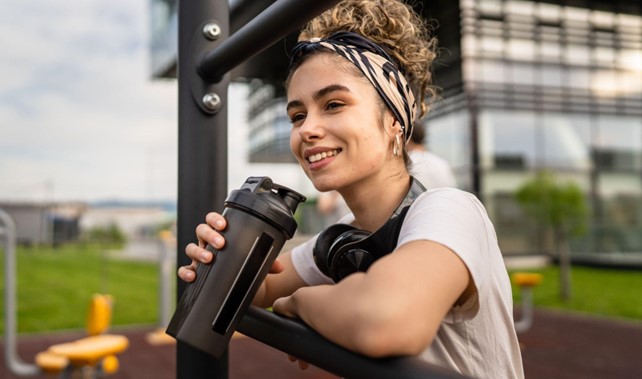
(79, 116)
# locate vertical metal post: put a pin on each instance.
(165, 275)
(202, 151)
(15, 364)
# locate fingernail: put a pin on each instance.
(219, 223)
(218, 241)
(205, 257)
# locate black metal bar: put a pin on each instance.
(277, 21)
(296, 338)
(202, 155)
(243, 11)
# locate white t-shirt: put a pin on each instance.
(431, 170)
(478, 338)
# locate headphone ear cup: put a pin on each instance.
(350, 253)
(325, 240)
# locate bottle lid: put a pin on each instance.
(268, 201)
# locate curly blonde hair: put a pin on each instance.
(394, 26)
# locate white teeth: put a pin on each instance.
(319, 156)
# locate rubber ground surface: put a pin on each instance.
(558, 346)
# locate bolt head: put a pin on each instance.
(212, 102)
(212, 31)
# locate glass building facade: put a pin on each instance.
(546, 85)
(526, 86)
(269, 134)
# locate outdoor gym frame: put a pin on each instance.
(206, 54)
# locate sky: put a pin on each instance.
(80, 117)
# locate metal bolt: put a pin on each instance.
(212, 102)
(212, 31)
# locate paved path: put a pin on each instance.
(559, 346)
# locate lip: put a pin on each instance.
(318, 150)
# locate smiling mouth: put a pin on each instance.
(325, 154)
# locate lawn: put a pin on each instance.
(56, 284)
(599, 291)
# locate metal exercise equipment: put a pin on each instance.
(95, 354)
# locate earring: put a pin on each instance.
(396, 149)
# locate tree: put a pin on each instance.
(560, 207)
(110, 234)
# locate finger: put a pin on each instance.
(208, 236)
(277, 267)
(186, 274)
(198, 254)
(284, 306)
(216, 221)
(303, 365)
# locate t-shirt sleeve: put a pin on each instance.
(457, 220)
(303, 259)
(303, 262)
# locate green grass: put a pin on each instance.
(56, 284)
(599, 291)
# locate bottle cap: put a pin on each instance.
(271, 202)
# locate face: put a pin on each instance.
(341, 134)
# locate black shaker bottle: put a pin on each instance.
(260, 218)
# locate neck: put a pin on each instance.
(374, 201)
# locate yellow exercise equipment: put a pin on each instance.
(526, 281)
(96, 352)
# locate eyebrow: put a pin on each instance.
(319, 94)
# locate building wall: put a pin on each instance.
(134, 222)
(45, 223)
(555, 87)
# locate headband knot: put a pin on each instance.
(376, 65)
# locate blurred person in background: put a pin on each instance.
(430, 169)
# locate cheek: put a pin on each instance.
(372, 152)
(295, 144)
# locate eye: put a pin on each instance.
(297, 118)
(334, 105)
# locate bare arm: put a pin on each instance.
(278, 285)
(393, 309)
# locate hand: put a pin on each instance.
(302, 364)
(208, 233)
(286, 307)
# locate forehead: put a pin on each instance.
(322, 69)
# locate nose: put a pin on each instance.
(311, 129)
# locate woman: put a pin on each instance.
(443, 294)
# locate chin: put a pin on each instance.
(323, 184)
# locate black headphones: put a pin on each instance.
(342, 249)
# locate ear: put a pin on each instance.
(391, 125)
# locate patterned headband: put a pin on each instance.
(376, 65)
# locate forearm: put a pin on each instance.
(280, 284)
(395, 308)
(352, 317)
(327, 310)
